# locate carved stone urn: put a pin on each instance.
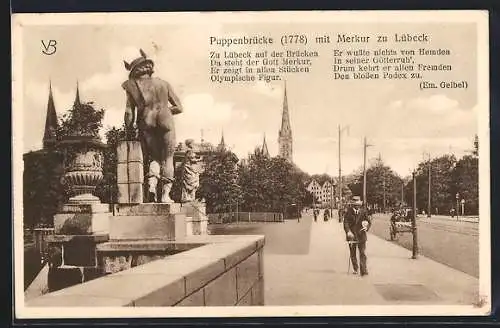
(83, 165)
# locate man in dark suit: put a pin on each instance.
(357, 222)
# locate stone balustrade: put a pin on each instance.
(223, 270)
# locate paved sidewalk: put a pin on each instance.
(320, 277)
(471, 219)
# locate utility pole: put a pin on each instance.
(365, 145)
(429, 186)
(340, 205)
(414, 219)
(402, 191)
(383, 190)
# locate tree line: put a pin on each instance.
(259, 183)
(449, 177)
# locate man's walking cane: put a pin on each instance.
(349, 243)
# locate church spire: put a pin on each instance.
(49, 135)
(285, 134)
(77, 101)
(285, 118)
(222, 143)
(265, 150)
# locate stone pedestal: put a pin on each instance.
(82, 219)
(147, 222)
(73, 259)
(130, 172)
(196, 218)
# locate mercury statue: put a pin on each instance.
(149, 114)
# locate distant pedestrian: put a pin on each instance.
(326, 215)
(315, 214)
(357, 223)
(452, 212)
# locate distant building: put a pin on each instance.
(315, 189)
(324, 194)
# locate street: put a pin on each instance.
(449, 242)
(306, 263)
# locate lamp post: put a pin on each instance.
(365, 145)
(414, 219)
(429, 185)
(457, 196)
(340, 205)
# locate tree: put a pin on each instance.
(443, 188)
(381, 183)
(44, 191)
(466, 179)
(82, 119)
(273, 185)
(219, 182)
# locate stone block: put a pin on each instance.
(153, 209)
(236, 257)
(59, 239)
(180, 225)
(258, 295)
(141, 259)
(122, 172)
(54, 300)
(245, 300)
(142, 227)
(168, 294)
(155, 290)
(63, 277)
(80, 251)
(135, 193)
(222, 291)
(135, 172)
(122, 152)
(247, 273)
(81, 223)
(92, 273)
(261, 262)
(204, 226)
(134, 151)
(114, 264)
(85, 208)
(123, 193)
(196, 210)
(130, 172)
(197, 278)
(130, 193)
(195, 299)
(189, 227)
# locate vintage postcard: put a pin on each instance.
(238, 164)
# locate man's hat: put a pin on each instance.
(138, 61)
(356, 200)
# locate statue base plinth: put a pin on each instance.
(147, 221)
(82, 219)
(196, 218)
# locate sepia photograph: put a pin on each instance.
(251, 164)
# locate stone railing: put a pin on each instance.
(224, 271)
(237, 217)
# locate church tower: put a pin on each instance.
(50, 132)
(285, 133)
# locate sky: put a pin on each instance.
(400, 122)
